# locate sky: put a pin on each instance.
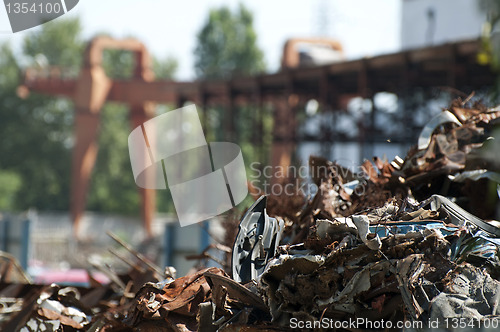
(169, 28)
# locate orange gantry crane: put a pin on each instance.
(89, 92)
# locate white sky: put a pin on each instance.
(365, 27)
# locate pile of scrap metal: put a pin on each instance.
(408, 240)
(395, 241)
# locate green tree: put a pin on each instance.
(59, 41)
(36, 133)
(227, 45)
(165, 69)
(10, 183)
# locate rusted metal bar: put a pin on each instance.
(126, 260)
(139, 256)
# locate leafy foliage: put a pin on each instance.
(35, 133)
(59, 41)
(227, 45)
(165, 69)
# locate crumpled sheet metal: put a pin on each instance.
(388, 263)
(175, 303)
(454, 151)
(235, 290)
(406, 228)
(231, 304)
(284, 286)
(358, 270)
(470, 293)
(394, 250)
(389, 251)
(51, 309)
(426, 134)
(461, 217)
(359, 283)
(363, 225)
(356, 224)
(327, 228)
(164, 305)
(476, 175)
(320, 286)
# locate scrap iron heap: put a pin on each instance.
(407, 240)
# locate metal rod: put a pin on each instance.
(139, 256)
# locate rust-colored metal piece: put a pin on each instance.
(89, 92)
(291, 55)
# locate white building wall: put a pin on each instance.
(453, 20)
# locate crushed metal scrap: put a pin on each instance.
(408, 240)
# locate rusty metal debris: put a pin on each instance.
(175, 302)
(410, 239)
(393, 241)
(11, 271)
